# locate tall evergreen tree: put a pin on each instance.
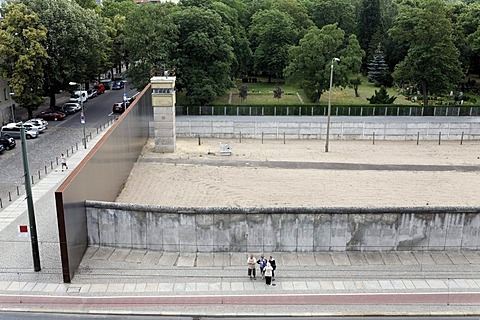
(377, 67)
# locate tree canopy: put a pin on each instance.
(23, 55)
(428, 44)
(310, 62)
(432, 61)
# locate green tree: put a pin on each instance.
(432, 61)
(377, 67)
(203, 56)
(355, 83)
(342, 12)
(23, 55)
(277, 93)
(381, 97)
(272, 33)
(75, 43)
(310, 62)
(369, 22)
(115, 14)
(243, 93)
(151, 36)
(240, 43)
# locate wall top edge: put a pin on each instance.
(284, 210)
(162, 79)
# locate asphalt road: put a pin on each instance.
(60, 137)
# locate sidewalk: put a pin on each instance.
(125, 281)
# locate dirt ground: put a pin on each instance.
(245, 184)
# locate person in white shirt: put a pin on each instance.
(268, 274)
(251, 264)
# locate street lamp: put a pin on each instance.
(82, 115)
(11, 106)
(330, 102)
(124, 95)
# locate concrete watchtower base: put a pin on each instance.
(163, 102)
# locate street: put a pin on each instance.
(60, 137)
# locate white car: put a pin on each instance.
(79, 96)
(40, 120)
(37, 123)
(74, 106)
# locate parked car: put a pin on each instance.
(2, 148)
(42, 121)
(100, 88)
(38, 123)
(117, 85)
(7, 142)
(14, 132)
(92, 93)
(119, 107)
(64, 109)
(72, 106)
(52, 115)
(79, 96)
(28, 126)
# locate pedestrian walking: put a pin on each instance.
(251, 264)
(268, 274)
(271, 260)
(262, 262)
(64, 162)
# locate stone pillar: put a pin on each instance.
(163, 102)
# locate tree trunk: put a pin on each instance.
(356, 91)
(425, 94)
(53, 100)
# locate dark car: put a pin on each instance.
(117, 85)
(7, 142)
(64, 109)
(52, 115)
(119, 107)
(1, 148)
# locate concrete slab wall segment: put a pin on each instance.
(313, 129)
(295, 229)
(100, 176)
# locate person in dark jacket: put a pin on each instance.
(271, 260)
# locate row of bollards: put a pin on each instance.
(70, 151)
(373, 138)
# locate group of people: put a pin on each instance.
(267, 268)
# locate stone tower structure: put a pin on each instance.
(163, 102)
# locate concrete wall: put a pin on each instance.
(385, 128)
(282, 229)
(100, 176)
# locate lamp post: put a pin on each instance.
(11, 106)
(82, 114)
(330, 103)
(29, 197)
(124, 95)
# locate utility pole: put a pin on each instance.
(31, 213)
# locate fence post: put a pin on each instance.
(418, 137)
(9, 196)
(439, 137)
(240, 136)
(45, 169)
(1, 203)
(373, 138)
(39, 177)
(461, 139)
(262, 137)
(18, 191)
(283, 137)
